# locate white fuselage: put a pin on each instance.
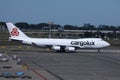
(79, 43)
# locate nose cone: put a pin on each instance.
(106, 44)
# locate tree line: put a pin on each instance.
(114, 34)
(88, 26)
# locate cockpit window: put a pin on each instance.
(101, 39)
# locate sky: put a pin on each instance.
(72, 12)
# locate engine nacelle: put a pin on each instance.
(70, 48)
(56, 48)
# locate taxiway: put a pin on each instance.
(82, 65)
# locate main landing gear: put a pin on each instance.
(98, 50)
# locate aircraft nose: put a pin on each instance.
(107, 44)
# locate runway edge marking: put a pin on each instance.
(40, 75)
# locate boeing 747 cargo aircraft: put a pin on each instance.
(63, 45)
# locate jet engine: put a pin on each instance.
(56, 48)
(70, 48)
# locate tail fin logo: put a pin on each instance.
(14, 32)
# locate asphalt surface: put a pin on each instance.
(82, 65)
